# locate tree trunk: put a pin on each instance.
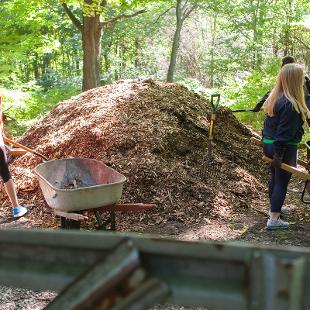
(176, 43)
(255, 34)
(107, 67)
(137, 53)
(107, 62)
(36, 67)
(116, 72)
(92, 30)
(45, 63)
(91, 37)
(287, 29)
(123, 62)
(213, 35)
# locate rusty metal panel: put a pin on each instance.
(105, 283)
(213, 275)
(279, 281)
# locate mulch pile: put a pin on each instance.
(156, 134)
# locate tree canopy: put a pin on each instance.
(234, 46)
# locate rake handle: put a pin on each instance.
(13, 142)
(293, 170)
(211, 134)
(24, 148)
(242, 110)
(299, 161)
(211, 126)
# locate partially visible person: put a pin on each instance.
(17, 209)
(283, 130)
(287, 60)
(307, 91)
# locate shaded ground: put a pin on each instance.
(21, 299)
(242, 223)
(156, 135)
(299, 232)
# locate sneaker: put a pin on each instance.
(19, 211)
(276, 224)
(284, 212)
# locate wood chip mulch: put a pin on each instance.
(156, 134)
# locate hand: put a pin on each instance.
(8, 154)
(276, 161)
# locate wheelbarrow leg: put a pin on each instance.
(101, 223)
(305, 193)
(69, 224)
(113, 223)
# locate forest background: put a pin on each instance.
(52, 50)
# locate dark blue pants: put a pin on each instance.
(279, 177)
(4, 169)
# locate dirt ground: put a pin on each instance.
(156, 135)
(244, 223)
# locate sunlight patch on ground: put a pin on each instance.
(217, 232)
(307, 21)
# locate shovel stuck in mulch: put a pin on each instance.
(210, 167)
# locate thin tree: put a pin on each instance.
(183, 9)
(92, 29)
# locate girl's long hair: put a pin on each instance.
(289, 82)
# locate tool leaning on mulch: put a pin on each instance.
(211, 167)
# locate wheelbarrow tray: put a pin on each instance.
(76, 184)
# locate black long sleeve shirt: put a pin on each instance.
(285, 126)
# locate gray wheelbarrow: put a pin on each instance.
(76, 184)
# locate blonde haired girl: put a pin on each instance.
(282, 132)
(290, 82)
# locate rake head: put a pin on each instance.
(210, 169)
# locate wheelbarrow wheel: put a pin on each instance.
(69, 224)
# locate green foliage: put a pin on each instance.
(197, 87)
(41, 102)
(126, 52)
(229, 47)
(32, 102)
(245, 92)
(99, 7)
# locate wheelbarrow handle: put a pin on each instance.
(127, 207)
(24, 147)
